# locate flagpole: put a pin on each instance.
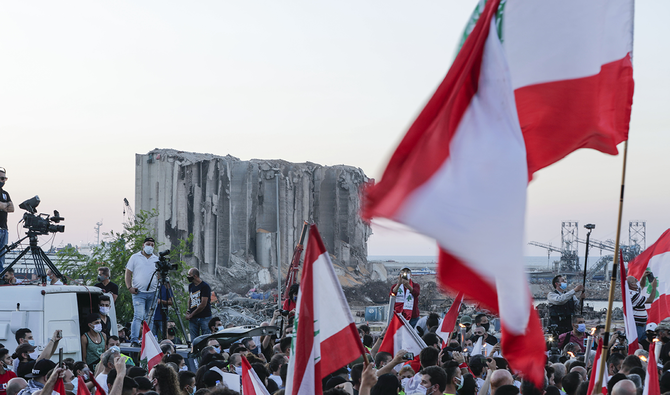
(608, 321)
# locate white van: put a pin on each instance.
(44, 309)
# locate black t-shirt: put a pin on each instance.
(4, 198)
(110, 287)
(196, 292)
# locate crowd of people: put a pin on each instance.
(445, 366)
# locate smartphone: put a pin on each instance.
(60, 357)
(586, 340)
(60, 333)
(408, 356)
(650, 277)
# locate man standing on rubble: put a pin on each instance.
(199, 306)
(406, 294)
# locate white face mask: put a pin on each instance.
(421, 390)
(238, 370)
(104, 310)
(97, 328)
(459, 384)
(220, 328)
(183, 368)
(148, 250)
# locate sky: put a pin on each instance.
(84, 86)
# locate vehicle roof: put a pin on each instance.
(18, 290)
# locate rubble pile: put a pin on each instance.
(238, 310)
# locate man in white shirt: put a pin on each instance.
(141, 283)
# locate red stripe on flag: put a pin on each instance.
(82, 389)
(59, 387)
(333, 346)
(426, 145)
(388, 342)
(599, 107)
(520, 351)
(651, 383)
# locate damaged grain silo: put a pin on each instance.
(230, 207)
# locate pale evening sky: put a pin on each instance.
(84, 86)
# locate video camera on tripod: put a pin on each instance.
(163, 265)
(40, 224)
(37, 225)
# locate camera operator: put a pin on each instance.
(407, 296)
(141, 283)
(6, 206)
(199, 306)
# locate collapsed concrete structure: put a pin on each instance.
(230, 207)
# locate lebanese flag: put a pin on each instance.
(562, 80)
(628, 318)
(401, 336)
(449, 321)
(651, 383)
(251, 383)
(82, 389)
(598, 361)
(657, 258)
(150, 348)
(323, 321)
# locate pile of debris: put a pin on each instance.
(238, 310)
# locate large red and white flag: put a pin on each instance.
(560, 79)
(150, 351)
(448, 323)
(400, 336)
(323, 323)
(656, 258)
(251, 383)
(651, 383)
(628, 317)
(597, 362)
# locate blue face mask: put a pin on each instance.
(564, 286)
(581, 328)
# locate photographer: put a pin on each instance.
(141, 283)
(199, 307)
(407, 296)
(6, 206)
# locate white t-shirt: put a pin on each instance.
(143, 268)
(102, 380)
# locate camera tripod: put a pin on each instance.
(42, 261)
(164, 281)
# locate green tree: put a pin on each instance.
(115, 251)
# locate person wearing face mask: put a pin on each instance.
(577, 335)
(433, 381)
(104, 305)
(483, 321)
(199, 306)
(215, 324)
(105, 283)
(563, 304)
(141, 283)
(93, 340)
(6, 206)
(5, 373)
(454, 378)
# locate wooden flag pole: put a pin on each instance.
(608, 321)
